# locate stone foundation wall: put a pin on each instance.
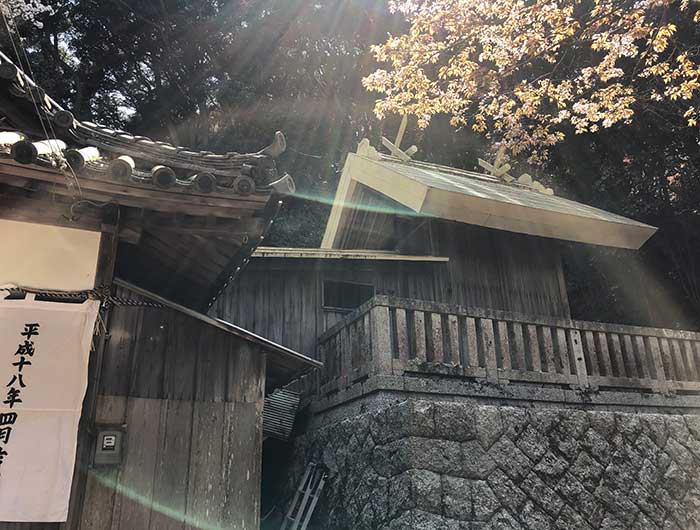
(445, 465)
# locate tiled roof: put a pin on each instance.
(187, 221)
(47, 133)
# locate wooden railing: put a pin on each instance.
(392, 336)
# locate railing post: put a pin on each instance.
(346, 352)
(381, 340)
(661, 384)
(323, 357)
(579, 359)
(386, 336)
(489, 345)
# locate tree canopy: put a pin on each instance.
(225, 74)
(528, 73)
(22, 12)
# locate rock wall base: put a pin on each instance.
(433, 465)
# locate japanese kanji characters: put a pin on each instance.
(25, 350)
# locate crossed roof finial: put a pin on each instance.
(500, 170)
(395, 146)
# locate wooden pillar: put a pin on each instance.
(488, 345)
(106, 260)
(381, 340)
(661, 382)
(242, 445)
(579, 359)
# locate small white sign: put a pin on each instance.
(109, 442)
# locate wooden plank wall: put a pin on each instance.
(282, 299)
(191, 396)
(372, 227)
(501, 270)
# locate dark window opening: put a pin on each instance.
(345, 296)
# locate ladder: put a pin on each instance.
(309, 489)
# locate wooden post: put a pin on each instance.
(677, 361)
(630, 358)
(604, 352)
(471, 342)
(106, 260)
(642, 357)
(592, 352)
(350, 345)
(689, 354)
(438, 355)
(453, 330)
(518, 347)
(616, 355)
(419, 327)
(661, 383)
(381, 340)
(488, 343)
(666, 360)
(548, 349)
(533, 343)
(503, 344)
(563, 350)
(402, 335)
(579, 359)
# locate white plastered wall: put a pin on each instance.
(47, 257)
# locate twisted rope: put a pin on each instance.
(99, 293)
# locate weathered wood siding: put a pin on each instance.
(191, 396)
(494, 269)
(282, 299)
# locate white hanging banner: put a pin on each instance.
(44, 352)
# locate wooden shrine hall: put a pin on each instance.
(438, 299)
(182, 392)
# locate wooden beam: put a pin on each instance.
(394, 150)
(402, 131)
(98, 181)
(389, 182)
(18, 182)
(129, 194)
(229, 212)
(344, 193)
(252, 226)
(322, 253)
(42, 209)
(494, 169)
(117, 190)
(107, 256)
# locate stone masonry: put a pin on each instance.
(456, 465)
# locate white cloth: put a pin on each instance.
(36, 472)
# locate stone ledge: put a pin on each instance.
(507, 394)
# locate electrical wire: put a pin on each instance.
(10, 34)
(303, 154)
(84, 201)
(38, 108)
